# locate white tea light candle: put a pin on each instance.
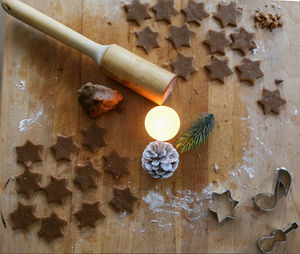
(162, 123)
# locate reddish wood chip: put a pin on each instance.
(271, 101)
(51, 227)
(23, 217)
(57, 190)
(249, 70)
(115, 164)
(89, 214)
(181, 36)
(94, 137)
(164, 10)
(218, 69)
(123, 199)
(243, 41)
(29, 182)
(147, 39)
(228, 14)
(136, 11)
(195, 12)
(87, 176)
(183, 66)
(29, 153)
(217, 41)
(64, 147)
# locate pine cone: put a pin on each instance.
(160, 159)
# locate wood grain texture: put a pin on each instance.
(246, 145)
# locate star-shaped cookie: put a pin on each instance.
(57, 190)
(223, 205)
(216, 41)
(29, 182)
(164, 10)
(271, 101)
(51, 227)
(183, 66)
(123, 199)
(115, 164)
(218, 69)
(64, 147)
(194, 12)
(29, 153)
(243, 41)
(147, 39)
(87, 176)
(93, 137)
(181, 36)
(136, 11)
(249, 70)
(23, 217)
(228, 14)
(89, 214)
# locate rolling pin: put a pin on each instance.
(140, 75)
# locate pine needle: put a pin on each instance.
(197, 133)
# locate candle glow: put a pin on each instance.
(162, 123)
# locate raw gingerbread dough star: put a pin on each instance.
(89, 214)
(51, 227)
(164, 10)
(29, 182)
(243, 41)
(249, 70)
(181, 36)
(87, 176)
(115, 164)
(64, 147)
(147, 39)
(216, 41)
(183, 66)
(29, 153)
(194, 12)
(136, 11)
(271, 101)
(23, 217)
(228, 14)
(94, 137)
(218, 69)
(123, 199)
(57, 190)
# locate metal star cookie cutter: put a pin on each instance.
(223, 205)
(267, 244)
(267, 202)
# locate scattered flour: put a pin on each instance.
(21, 85)
(26, 123)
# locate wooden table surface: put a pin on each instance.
(171, 215)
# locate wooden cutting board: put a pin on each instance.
(38, 101)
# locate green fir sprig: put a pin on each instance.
(197, 133)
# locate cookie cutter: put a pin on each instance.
(223, 205)
(267, 244)
(267, 202)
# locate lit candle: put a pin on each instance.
(162, 123)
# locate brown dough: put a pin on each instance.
(29, 182)
(64, 147)
(183, 66)
(23, 217)
(87, 176)
(267, 20)
(89, 214)
(147, 39)
(216, 41)
(57, 190)
(115, 164)
(243, 41)
(136, 11)
(249, 70)
(194, 12)
(123, 199)
(29, 153)
(97, 99)
(94, 137)
(51, 227)
(164, 10)
(218, 69)
(181, 36)
(228, 14)
(271, 101)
